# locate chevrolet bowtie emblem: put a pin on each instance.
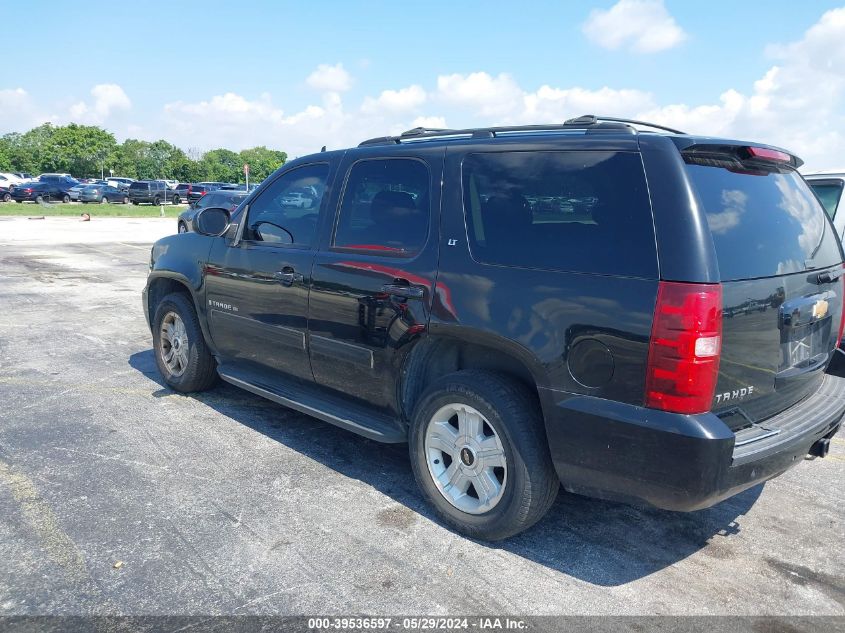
(819, 309)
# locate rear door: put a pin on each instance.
(373, 279)
(779, 262)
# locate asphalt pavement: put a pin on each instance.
(118, 495)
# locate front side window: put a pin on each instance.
(581, 211)
(287, 211)
(385, 207)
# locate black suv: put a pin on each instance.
(155, 192)
(526, 306)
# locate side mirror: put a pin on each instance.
(212, 221)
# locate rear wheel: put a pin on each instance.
(104, 200)
(66, 199)
(125, 199)
(181, 354)
(174, 200)
(39, 199)
(6, 197)
(183, 227)
(479, 454)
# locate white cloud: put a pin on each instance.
(799, 103)
(326, 78)
(488, 95)
(643, 26)
(107, 98)
(402, 100)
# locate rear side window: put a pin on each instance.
(764, 223)
(582, 211)
(139, 185)
(385, 207)
(828, 192)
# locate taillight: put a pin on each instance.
(842, 317)
(685, 347)
(766, 153)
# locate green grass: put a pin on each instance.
(30, 209)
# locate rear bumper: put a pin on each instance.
(678, 462)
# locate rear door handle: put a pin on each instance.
(288, 276)
(404, 290)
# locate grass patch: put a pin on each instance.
(30, 209)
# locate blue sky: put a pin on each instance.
(203, 74)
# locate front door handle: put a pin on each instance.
(288, 276)
(404, 290)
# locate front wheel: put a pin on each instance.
(39, 199)
(479, 454)
(156, 201)
(104, 200)
(6, 197)
(181, 354)
(174, 200)
(125, 200)
(183, 227)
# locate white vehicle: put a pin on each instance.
(297, 199)
(171, 184)
(9, 180)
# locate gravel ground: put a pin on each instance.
(119, 496)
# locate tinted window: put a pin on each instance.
(287, 211)
(385, 206)
(579, 211)
(828, 193)
(142, 186)
(763, 223)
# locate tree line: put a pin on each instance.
(86, 151)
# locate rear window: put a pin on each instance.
(582, 211)
(828, 193)
(764, 223)
(139, 185)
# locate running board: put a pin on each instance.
(347, 415)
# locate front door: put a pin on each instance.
(373, 276)
(257, 287)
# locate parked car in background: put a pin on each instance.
(74, 191)
(9, 180)
(154, 192)
(5, 194)
(120, 182)
(225, 199)
(200, 189)
(183, 190)
(828, 189)
(103, 194)
(50, 188)
(23, 175)
(171, 184)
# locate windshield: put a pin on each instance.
(764, 223)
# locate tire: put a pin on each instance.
(174, 200)
(183, 227)
(193, 369)
(104, 200)
(39, 199)
(125, 199)
(528, 483)
(66, 199)
(6, 197)
(156, 201)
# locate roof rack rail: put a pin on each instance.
(585, 122)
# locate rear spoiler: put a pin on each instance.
(745, 154)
